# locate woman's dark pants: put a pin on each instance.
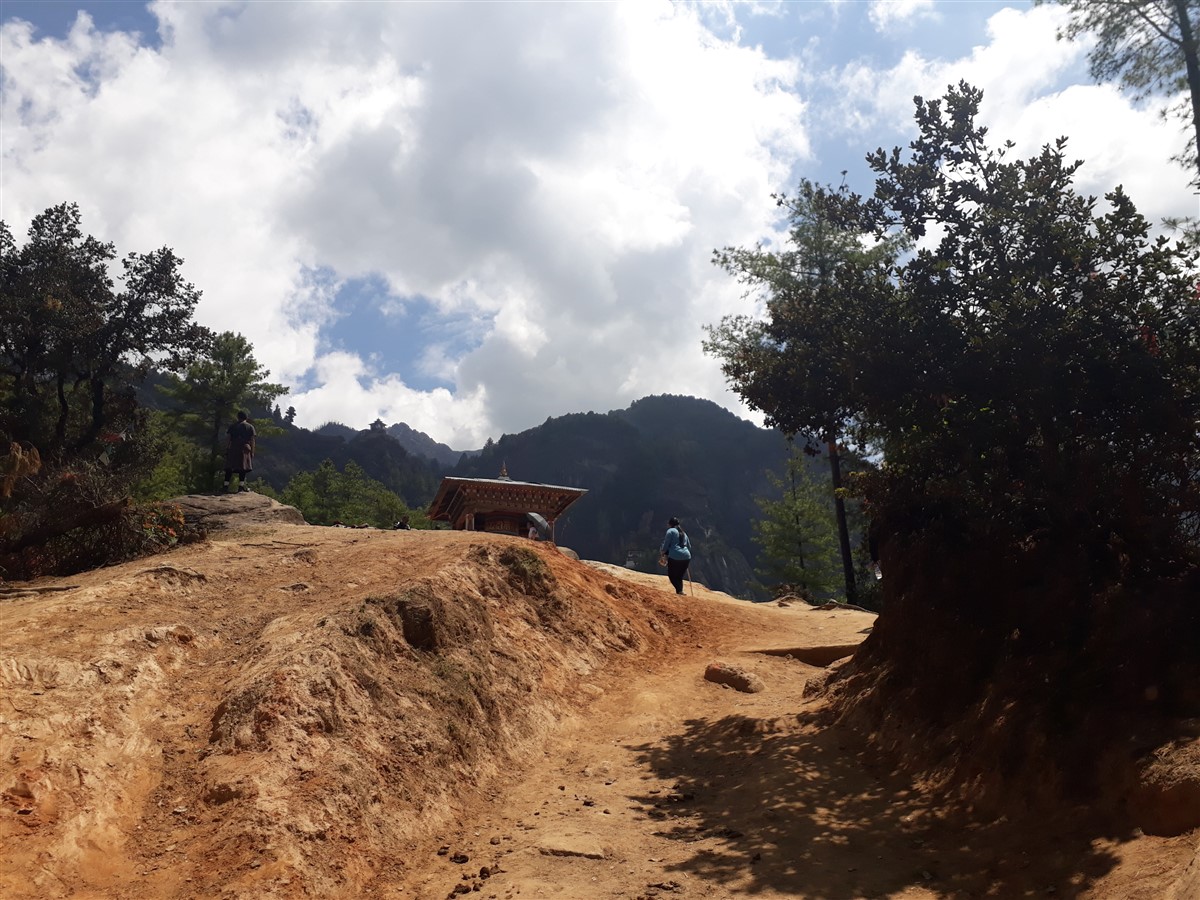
(676, 569)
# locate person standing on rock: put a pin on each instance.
(239, 455)
(676, 553)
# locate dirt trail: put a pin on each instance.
(656, 788)
(672, 786)
(290, 711)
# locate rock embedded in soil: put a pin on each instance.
(573, 845)
(737, 678)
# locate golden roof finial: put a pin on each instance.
(504, 469)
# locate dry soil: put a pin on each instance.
(293, 711)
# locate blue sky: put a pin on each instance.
(470, 217)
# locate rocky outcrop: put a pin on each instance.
(214, 512)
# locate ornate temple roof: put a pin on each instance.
(458, 496)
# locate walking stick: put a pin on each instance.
(691, 589)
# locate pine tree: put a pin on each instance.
(225, 379)
(797, 533)
(1150, 47)
(819, 292)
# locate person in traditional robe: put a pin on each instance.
(239, 455)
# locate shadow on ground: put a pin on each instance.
(808, 812)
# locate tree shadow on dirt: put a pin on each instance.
(789, 806)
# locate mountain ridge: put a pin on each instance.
(663, 455)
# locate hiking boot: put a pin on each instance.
(243, 490)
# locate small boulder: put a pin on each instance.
(736, 678)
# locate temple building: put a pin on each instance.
(501, 505)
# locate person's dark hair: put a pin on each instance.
(242, 415)
(674, 523)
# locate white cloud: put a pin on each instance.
(1021, 60)
(887, 14)
(548, 179)
(1021, 71)
(560, 171)
(349, 391)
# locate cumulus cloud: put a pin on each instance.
(1021, 70)
(560, 172)
(349, 390)
(887, 14)
(529, 192)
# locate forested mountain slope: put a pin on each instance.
(297, 450)
(663, 456)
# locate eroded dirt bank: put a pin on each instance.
(295, 711)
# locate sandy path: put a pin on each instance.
(661, 785)
(671, 786)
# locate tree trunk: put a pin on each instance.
(835, 469)
(800, 535)
(1191, 58)
(214, 447)
(96, 425)
(64, 411)
(89, 516)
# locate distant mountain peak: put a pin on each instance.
(421, 444)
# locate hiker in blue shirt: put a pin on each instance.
(676, 552)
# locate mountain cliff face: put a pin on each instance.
(421, 444)
(281, 456)
(663, 456)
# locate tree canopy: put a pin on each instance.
(797, 364)
(1150, 47)
(223, 379)
(1052, 381)
(73, 346)
(1031, 372)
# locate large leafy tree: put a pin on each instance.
(820, 292)
(1051, 376)
(1030, 375)
(224, 379)
(73, 343)
(1150, 47)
